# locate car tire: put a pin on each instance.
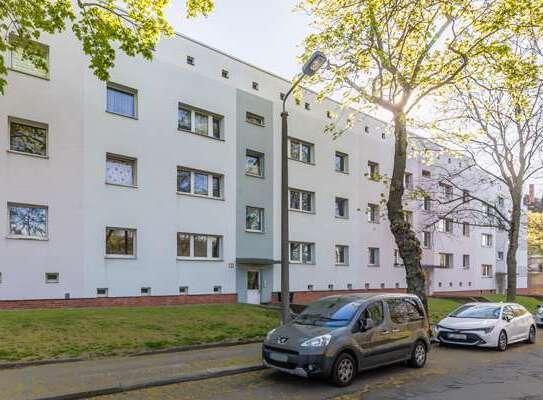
(344, 370)
(419, 354)
(502, 341)
(531, 335)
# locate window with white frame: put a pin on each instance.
(190, 60)
(301, 252)
(427, 203)
(145, 291)
(446, 190)
(465, 229)
(426, 173)
(465, 261)
(427, 239)
(120, 242)
(200, 183)
(445, 225)
(500, 256)
(397, 259)
(342, 255)
(52, 277)
(254, 119)
(486, 270)
(500, 201)
(446, 260)
(373, 171)
(254, 163)
(486, 240)
(19, 63)
(301, 200)
(199, 246)
(121, 100)
(373, 213)
(373, 256)
(102, 292)
(28, 221)
(342, 208)
(465, 196)
(254, 219)
(199, 122)
(120, 170)
(300, 151)
(27, 137)
(408, 180)
(342, 162)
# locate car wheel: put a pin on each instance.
(344, 370)
(502, 341)
(418, 355)
(531, 335)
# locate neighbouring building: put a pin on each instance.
(165, 182)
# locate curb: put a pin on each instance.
(208, 374)
(179, 349)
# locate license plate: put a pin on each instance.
(279, 357)
(457, 336)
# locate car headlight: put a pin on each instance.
(488, 329)
(319, 341)
(269, 334)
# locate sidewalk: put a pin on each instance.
(102, 376)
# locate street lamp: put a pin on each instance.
(315, 62)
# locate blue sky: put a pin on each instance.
(266, 33)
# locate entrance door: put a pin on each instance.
(253, 287)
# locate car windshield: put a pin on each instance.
(477, 311)
(332, 312)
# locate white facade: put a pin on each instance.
(70, 180)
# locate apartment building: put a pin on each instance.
(165, 182)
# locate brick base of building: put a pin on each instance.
(464, 293)
(120, 301)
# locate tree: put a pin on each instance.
(393, 55)
(495, 118)
(535, 233)
(134, 26)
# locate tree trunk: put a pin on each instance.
(514, 229)
(406, 240)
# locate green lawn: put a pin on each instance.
(440, 307)
(90, 332)
(530, 303)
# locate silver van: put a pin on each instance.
(338, 336)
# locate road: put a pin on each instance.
(451, 374)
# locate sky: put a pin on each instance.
(266, 33)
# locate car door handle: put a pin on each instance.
(385, 332)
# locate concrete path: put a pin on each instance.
(64, 380)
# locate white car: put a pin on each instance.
(487, 325)
(539, 316)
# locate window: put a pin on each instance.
(102, 292)
(486, 240)
(254, 119)
(145, 291)
(121, 100)
(300, 151)
(397, 259)
(373, 171)
(199, 122)
(465, 229)
(408, 216)
(255, 85)
(403, 311)
(374, 311)
(198, 246)
(501, 201)
(366, 286)
(486, 270)
(488, 210)
(331, 286)
(281, 96)
(426, 173)
(217, 289)
(373, 259)
(120, 170)
(329, 114)
(254, 163)
(254, 219)
(310, 287)
(408, 180)
(342, 255)
(301, 253)
(342, 208)
(447, 191)
(120, 242)
(500, 255)
(465, 261)
(373, 213)
(427, 240)
(367, 129)
(26, 66)
(465, 196)
(52, 277)
(301, 200)
(201, 183)
(28, 221)
(27, 137)
(225, 74)
(342, 162)
(307, 106)
(190, 60)
(183, 290)
(446, 260)
(427, 203)
(445, 225)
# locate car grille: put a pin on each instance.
(471, 338)
(280, 350)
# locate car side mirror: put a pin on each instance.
(366, 324)
(507, 317)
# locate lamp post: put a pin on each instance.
(315, 62)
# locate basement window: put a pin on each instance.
(217, 289)
(225, 74)
(310, 287)
(331, 286)
(367, 286)
(255, 85)
(190, 60)
(145, 291)
(102, 292)
(51, 277)
(183, 289)
(349, 286)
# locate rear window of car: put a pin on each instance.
(403, 310)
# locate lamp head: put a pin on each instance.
(314, 63)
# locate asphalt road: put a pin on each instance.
(451, 374)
